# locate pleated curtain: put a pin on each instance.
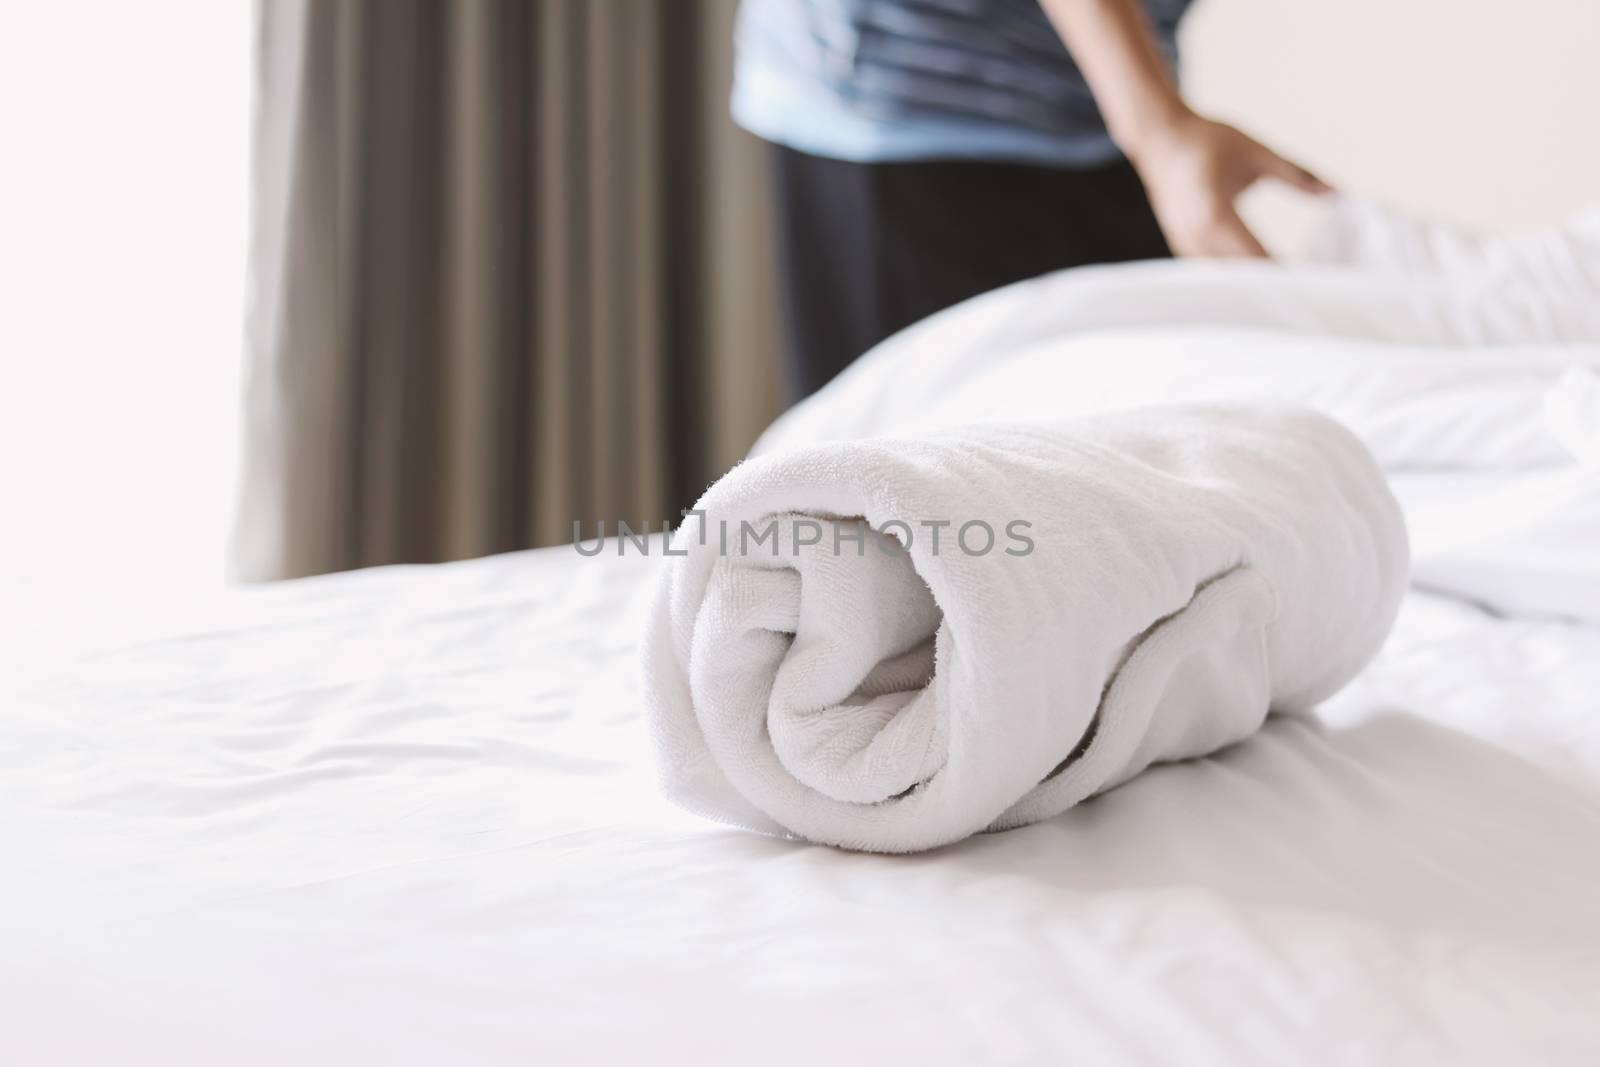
(510, 271)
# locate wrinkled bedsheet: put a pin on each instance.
(406, 816)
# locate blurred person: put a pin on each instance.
(926, 151)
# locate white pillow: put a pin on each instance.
(1525, 544)
(1572, 415)
(1557, 261)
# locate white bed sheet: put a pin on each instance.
(407, 816)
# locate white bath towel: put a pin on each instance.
(1074, 602)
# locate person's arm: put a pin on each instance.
(1193, 168)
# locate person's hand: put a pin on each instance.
(1194, 170)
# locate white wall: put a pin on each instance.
(123, 198)
(1481, 111)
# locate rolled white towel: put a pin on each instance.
(1073, 603)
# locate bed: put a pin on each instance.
(408, 815)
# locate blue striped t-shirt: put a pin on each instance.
(887, 80)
